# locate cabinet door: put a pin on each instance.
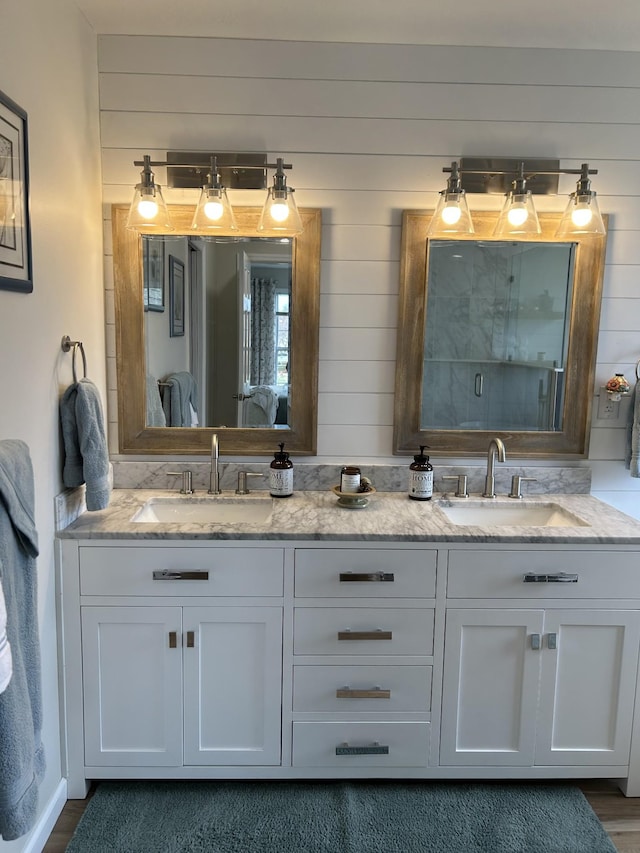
(490, 687)
(589, 664)
(233, 685)
(132, 683)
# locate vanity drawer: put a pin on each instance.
(358, 744)
(225, 571)
(363, 631)
(362, 688)
(501, 574)
(352, 573)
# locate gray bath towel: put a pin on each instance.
(22, 760)
(181, 392)
(632, 453)
(85, 443)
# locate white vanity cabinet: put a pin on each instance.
(363, 645)
(300, 659)
(549, 679)
(180, 656)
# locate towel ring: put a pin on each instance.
(66, 345)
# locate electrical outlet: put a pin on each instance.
(607, 408)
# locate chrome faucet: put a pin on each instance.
(496, 445)
(214, 476)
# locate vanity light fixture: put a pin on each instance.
(280, 212)
(518, 216)
(582, 214)
(148, 212)
(214, 212)
(452, 213)
(148, 209)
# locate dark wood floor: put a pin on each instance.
(620, 816)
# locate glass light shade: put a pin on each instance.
(280, 213)
(581, 216)
(518, 216)
(214, 211)
(148, 211)
(451, 215)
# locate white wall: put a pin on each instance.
(48, 66)
(368, 129)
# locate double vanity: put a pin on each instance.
(248, 637)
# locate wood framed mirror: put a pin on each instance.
(496, 338)
(138, 295)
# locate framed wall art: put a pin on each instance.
(15, 227)
(176, 297)
(153, 273)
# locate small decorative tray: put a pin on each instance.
(353, 500)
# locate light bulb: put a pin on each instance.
(147, 208)
(213, 210)
(581, 216)
(451, 213)
(518, 214)
(279, 211)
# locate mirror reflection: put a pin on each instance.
(496, 335)
(496, 338)
(218, 346)
(218, 333)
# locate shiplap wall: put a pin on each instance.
(368, 129)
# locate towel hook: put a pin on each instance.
(66, 345)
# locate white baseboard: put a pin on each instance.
(50, 814)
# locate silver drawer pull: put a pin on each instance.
(378, 634)
(558, 577)
(171, 575)
(374, 749)
(373, 693)
(367, 577)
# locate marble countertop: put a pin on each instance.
(390, 516)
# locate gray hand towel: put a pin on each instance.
(86, 457)
(93, 445)
(632, 451)
(22, 761)
(72, 468)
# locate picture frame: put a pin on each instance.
(176, 297)
(153, 274)
(15, 224)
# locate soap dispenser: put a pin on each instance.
(421, 477)
(281, 475)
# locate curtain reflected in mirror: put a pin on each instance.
(496, 335)
(229, 366)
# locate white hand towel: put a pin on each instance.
(6, 661)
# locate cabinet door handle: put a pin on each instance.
(372, 577)
(557, 577)
(191, 639)
(478, 388)
(378, 634)
(373, 749)
(552, 641)
(177, 575)
(535, 642)
(372, 693)
(173, 639)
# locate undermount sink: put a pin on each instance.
(491, 514)
(205, 510)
